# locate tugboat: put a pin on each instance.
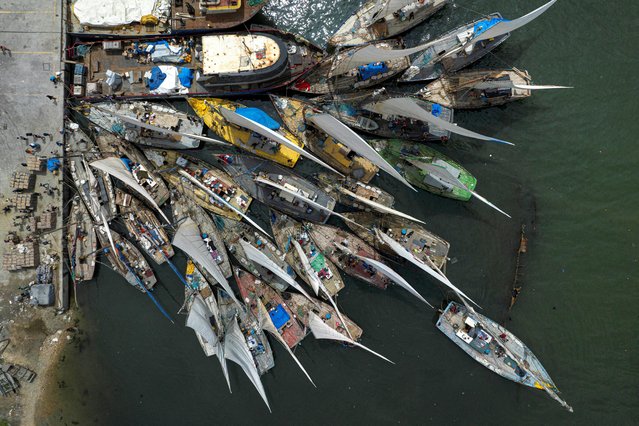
(141, 168)
(338, 73)
(415, 162)
(476, 89)
(81, 242)
(211, 65)
(171, 163)
(496, 348)
(108, 116)
(377, 20)
(183, 207)
(417, 240)
(287, 229)
(343, 249)
(253, 289)
(294, 113)
(279, 188)
(221, 116)
(354, 109)
(144, 228)
(302, 307)
(128, 261)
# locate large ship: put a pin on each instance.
(209, 65)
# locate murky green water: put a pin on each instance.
(571, 179)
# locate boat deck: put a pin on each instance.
(188, 16)
(301, 306)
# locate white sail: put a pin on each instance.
(322, 331)
(343, 134)
(370, 54)
(506, 26)
(402, 252)
(198, 320)
(247, 123)
(443, 176)
(237, 351)
(189, 239)
(267, 324)
(255, 255)
(115, 167)
(316, 282)
(161, 129)
(387, 7)
(509, 84)
(107, 230)
(221, 200)
(377, 206)
(397, 279)
(407, 107)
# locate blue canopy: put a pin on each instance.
(482, 26)
(53, 164)
(436, 110)
(186, 76)
(279, 316)
(369, 70)
(259, 116)
(157, 77)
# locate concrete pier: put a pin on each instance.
(31, 33)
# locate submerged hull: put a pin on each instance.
(323, 80)
(183, 207)
(351, 109)
(162, 116)
(286, 228)
(437, 59)
(81, 242)
(283, 319)
(491, 345)
(409, 159)
(207, 65)
(141, 169)
(246, 170)
(416, 239)
(340, 247)
(208, 110)
(293, 114)
(458, 90)
(369, 24)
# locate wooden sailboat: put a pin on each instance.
(353, 193)
(81, 242)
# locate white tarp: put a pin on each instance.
(110, 13)
(171, 83)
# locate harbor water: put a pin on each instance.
(570, 180)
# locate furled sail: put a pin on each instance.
(386, 7)
(237, 351)
(407, 107)
(95, 204)
(323, 331)
(161, 129)
(266, 324)
(247, 123)
(377, 206)
(107, 230)
(189, 239)
(402, 252)
(316, 283)
(115, 167)
(506, 26)
(397, 279)
(220, 199)
(260, 258)
(342, 133)
(444, 177)
(509, 84)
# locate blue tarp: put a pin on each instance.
(279, 316)
(157, 77)
(53, 164)
(482, 26)
(127, 163)
(369, 70)
(436, 110)
(186, 76)
(260, 116)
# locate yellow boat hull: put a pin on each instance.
(206, 109)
